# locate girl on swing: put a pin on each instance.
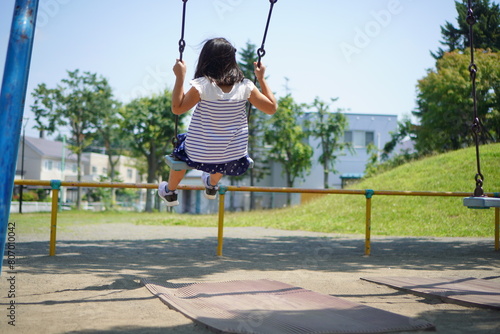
(217, 138)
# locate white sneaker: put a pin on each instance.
(210, 190)
(169, 197)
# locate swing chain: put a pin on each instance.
(261, 52)
(182, 46)
(182, 42)
(476, 124)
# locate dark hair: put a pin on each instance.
(217, 62)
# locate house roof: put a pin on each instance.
(49, 148)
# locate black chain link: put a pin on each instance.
(182, 46)
(182, 42)
(476, 123)
(261, 52)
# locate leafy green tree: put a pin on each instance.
(374, 166)
(151, 123)
(486, 30)
(78, 102)
(115, 141)
(256, 124)
(444, 102)
(373, 160)
(493, 122)
(405, 130)
(287, 141)
(99, 194)
(329, 128)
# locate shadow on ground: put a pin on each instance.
(162, 259)
(167, 257)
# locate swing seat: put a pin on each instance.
(176, 164)
(481, 202)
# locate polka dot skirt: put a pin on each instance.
(234, 168)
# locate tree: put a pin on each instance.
(115, 142)
(486, 30)
(329, 128)
(287, 141)
(444, 102)
(79, 101)
(151, 122)
(256, 124)
(405, 130)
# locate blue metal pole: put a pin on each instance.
(12, 98)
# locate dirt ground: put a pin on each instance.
(93, 284)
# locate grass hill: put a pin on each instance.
(400, 215)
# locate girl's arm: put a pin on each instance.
(182, 102)
(265, 100)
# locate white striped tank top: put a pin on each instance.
(218, 132)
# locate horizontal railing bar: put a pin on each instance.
(47, 183)
(352, 191)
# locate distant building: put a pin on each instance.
(51, 160)
(362, 130)
(43, 160)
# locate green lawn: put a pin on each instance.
(391, 215)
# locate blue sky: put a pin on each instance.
(368, 53)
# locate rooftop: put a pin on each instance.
(49, 148)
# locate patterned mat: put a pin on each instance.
(272, 307)
(464, 291)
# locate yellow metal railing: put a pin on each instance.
(368, 193)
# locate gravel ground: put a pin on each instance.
(93, 284)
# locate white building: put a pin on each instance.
(43, 160)
(362, 130)
(52, 160)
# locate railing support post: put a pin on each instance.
(220, 234)
(56, 186)
(368, 225)
(497, 228)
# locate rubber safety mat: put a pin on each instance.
(464, 291)
(272, 307)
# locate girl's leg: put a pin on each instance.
(215, 178)
(175, 178)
